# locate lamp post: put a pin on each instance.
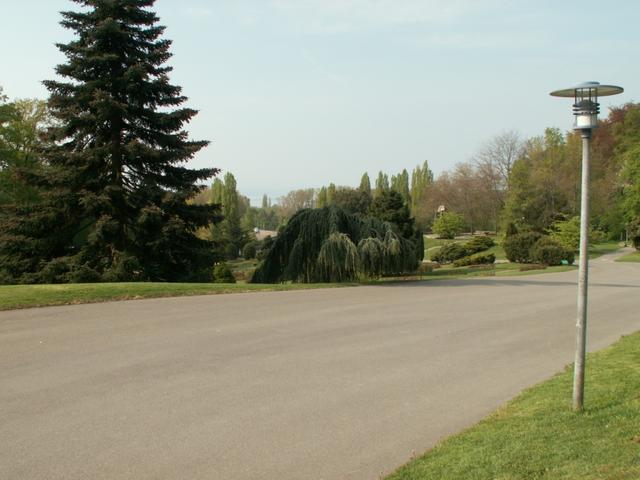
(585, 110)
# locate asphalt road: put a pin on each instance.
(325, 384)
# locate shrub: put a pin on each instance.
(84, 274)
(477, 259)
(548, 251)
(222, 274)
(479, 244)
(448, 225)
(264, 248)
(518, 247)
(634, 232)
(249, 250)
(567, 233)
(449, 253)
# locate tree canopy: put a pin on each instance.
(117, 189)
(330, 244)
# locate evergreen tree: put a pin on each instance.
(330, 244)
(118, 188)
(365, 191)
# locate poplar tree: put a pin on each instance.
(322, 201)
(118, 187)
(382, 184)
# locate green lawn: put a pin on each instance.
(630, 257)
(599, 249)
(495, 270)
(538, 437)
(24, 296)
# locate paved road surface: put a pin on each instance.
(326, 384)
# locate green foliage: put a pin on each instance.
(400, 183)
(548, 251)
(634, 232)
(233, 235)
(117, 187)
(421, 183)
(518, 247)
(222, 274)
(21, 125)
(477, 259)
(511, 230)
(567, 233)
(352, 200)
(479, 244)
(338, 259)
(313, 247)
(382, 183)
(264, 247)
(448, 225)
(389, 206)
(249, 250)
(449, 253)
(371, 253)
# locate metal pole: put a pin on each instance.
(583, 277)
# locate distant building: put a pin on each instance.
(262, 234)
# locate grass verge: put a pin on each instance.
(630, 257)
(493, 270)
(537, 436)
(25, 296)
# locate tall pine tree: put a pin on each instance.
(118, 188)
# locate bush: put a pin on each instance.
(567, 233)
(249, 250)
(634, 232)
(449, 253)
(222, 274)
(548, 251)
(448, 225)
(477, 259)
(479, 244)
(84, 274)
(265, 246)
(518, 247)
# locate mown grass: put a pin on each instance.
(495, 270)
(25, 296)
(598, 249)
(630, 257)
(538, 437)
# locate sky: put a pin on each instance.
(301, 93)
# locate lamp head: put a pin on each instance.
(585, 106)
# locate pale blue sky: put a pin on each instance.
(300, 93)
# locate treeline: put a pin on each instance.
(531, 183)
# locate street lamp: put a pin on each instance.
(585, 110)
